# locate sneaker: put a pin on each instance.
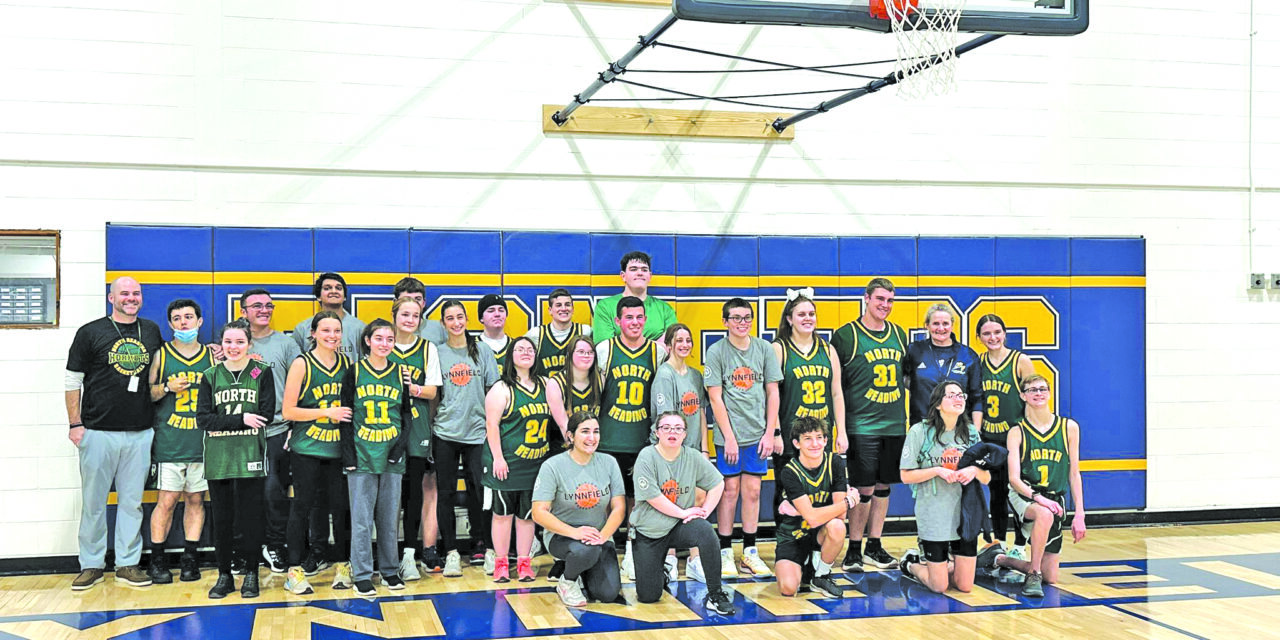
(479, 557)
(570, 593)
(628, 565)
(880, 558)
(1018, 554)
(490, 559)
(296, 583)
(249, 589)
(673, 568)
(728, 566)
(393, 582)
(341, 576)
(827, 585)
(314, 563)
(223, 587)
(852, 561)
(987, 557)
(501, 570)
(1034, 586)
(693, 570)
(274, 559)
(524, 569)
(87, 579)
(431, 561)
(134, 576)
(159, 570)
(557, 570)
(718, 602)
(453, 565)
(409, 566)
(190, 568)
(237, 566)
(364, 589)
(752, 564)
(904, 566)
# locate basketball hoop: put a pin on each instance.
(926, 40)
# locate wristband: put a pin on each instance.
(75, 425)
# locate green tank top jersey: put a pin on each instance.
(1001, 397)
(522, 433)
(817, 484)
(575, 400)
(376, 418)
(415, 359)
(806, 381)
(875, 402)
(321, 389)
(1044, 461)
(551, 353)
(624, 416)
(177, 436)
(242, 453)
(501, 356)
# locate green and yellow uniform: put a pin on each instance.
(321, 389)
(551, 352)
(415, 360)
(806, 378)
(232, 450)
(500, 355)
(1001, 398)
(575, 400)
(624, 416)
(379, 410)
(522, 434)
(871, 367)
(1044, 460)
(177, 436)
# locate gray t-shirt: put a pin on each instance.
(432, 331)
(683, 393)
(465, 382)
(656, 477)
(279, 351)
(351, 330)
(579, 493)
(742, 375)
(937, 501)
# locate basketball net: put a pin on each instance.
(922, 36)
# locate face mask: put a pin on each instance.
(185, 335)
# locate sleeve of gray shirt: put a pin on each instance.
(712, 369)
(708, 476)
(488, 364)
(646, 476)
(546, 485)
(772, 368)
(911, 447)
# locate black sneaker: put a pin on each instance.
(905, 567)
(718, 602)
(274, 559)
(314, 563)
(237, 567)
(364, 588)
(249, 589)
(828, 586)
(880, 558)
(431, 560)
(393, 582)
(190, 569)
(852, 561)
(557, 570)
(223, 587)
(159, 569)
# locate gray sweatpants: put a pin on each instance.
(374, 499)
(122, 457)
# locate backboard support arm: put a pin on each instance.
(615, 69)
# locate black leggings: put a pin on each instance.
(999, 488)
(447, 456)
(597, 564)
(411, 498)
(238, 508)
(319, 491)
(649, 555)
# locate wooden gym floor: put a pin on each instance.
(1204, 581)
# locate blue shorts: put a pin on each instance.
(749, 462)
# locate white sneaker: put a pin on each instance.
(409, 566)
(728, 566)
(1017, 554)
(628, 565)
(489, 558)
(296, 582)
(536, 550)
(341, 575)
(673, 568)
(752, 564)
(570, 593)
(453, 565)
(693, 570)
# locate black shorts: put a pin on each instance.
(797, 550)
(874, 460)
(627, 464)
(509, 503)
(938, 551)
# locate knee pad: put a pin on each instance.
(864, 498)
(881, 493)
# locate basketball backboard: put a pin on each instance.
(1020, 17)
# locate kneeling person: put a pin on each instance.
(814, 486)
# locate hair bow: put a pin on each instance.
(792, 294)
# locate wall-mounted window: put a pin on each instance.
(29, 279)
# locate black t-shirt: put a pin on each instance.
(109, 354)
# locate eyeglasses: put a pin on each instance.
(956, 396)
(739, 319)
(525, 351)
(1036, 390)
(583, 352)
(258, 306)
(671, 429)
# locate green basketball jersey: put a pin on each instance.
(415, 359)
(624, 416)
(818, 484)
(321, 389)
(871, 366)
(501, 356)
(241, 453)
(1001, 400)
(805, 391)
(522, 433)
(377, 418)
(575, 400)
(177, 436)
(1045, 464)
(551, 352)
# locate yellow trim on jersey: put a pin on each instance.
(368, 367)
(168, 346)
(329, 371)
(412, 350)
(986, 360)
(817, 343)
(648, 345)
(1058, 423)
(544, 332)
(889, 332)
(824, 471)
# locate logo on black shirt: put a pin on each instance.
(128, 356)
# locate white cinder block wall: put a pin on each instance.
(414, 114)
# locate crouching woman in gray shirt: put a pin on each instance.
(579, 499)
